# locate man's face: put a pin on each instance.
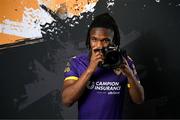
(100, 37)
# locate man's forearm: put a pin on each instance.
(72, 92)
(136, 90)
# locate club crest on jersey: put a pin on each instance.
(117, 71)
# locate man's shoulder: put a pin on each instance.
(80, 57)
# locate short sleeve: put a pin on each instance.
(70, 71)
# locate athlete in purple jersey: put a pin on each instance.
(100, 91)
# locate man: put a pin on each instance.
(100, 91)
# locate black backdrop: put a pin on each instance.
(32, 75)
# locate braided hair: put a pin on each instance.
(106, 21)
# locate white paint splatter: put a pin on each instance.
(110, 3)
(72, 25)
(73, 21)
(89, 7)
(177, 5)
(157, 0)
(30, 25)
(76, 22)
(80, 17)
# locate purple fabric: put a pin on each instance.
(104, 93)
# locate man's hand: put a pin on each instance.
(125, 69)
(96, 58)
(136, 90)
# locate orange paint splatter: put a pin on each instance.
(13, 10)
(6, 38)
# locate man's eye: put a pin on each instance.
(106, 40)
(93, 39)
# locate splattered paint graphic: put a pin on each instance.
(157, 0)
(23, 18)
(110, 3)
(28, 22)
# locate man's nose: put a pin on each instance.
(99, 44)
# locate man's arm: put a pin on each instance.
(136, 90)
(72, 90)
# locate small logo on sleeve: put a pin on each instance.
(67, 68)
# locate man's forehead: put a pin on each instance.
(102, 31)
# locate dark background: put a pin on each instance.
(31, 76)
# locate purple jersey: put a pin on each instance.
(104, 93)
